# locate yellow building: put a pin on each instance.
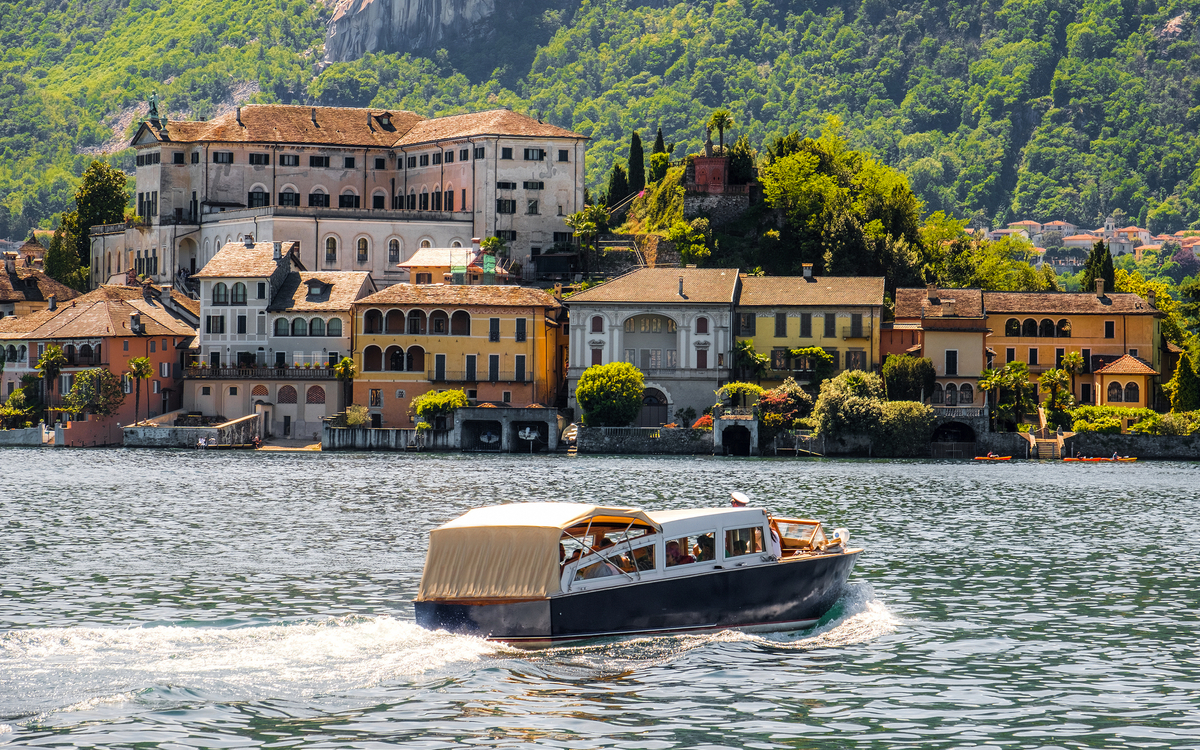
(842, 315)
(949, 327)
(1113, 332)
(501, 344)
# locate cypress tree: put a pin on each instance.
(1094, 268)
(618, 186)
(660, 147)
(1107, 272)
(637, 164)
(1186, 386)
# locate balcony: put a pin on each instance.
(460, 376)
(259, 372)
(856, 332)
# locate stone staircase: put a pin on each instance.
(1046, 448)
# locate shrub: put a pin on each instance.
(738, 393)
(1102, 425)
(1166, 424)
(780, 408)
(850, 404)
(433, 404)
(704, 423)
(610, 395)
(357, 415)
(905, 429)
(908, 378)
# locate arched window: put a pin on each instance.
(85, 351)
(460, 323)
(394, 358)
(260, 390)
(938, 396)
(1132, 393)
(373, 322)
(21, 352)
(220, 294)
(362, 249)
(239, 294)
(426, 243)
(966, 394)
(395, 321)
(334, 328)
(1115, 393)
(439, 322)
(331, 250)
(394, 251)
(1063, 329)
(456, 243)
(372, 359)
(299, 327)
(287, 395)
(416, 322)
(314, 395)
(1046, 329)
(316, 327)
(281, 327)
(951, 394)
(701, 325)
(415, 359)
(1012, 327)
(1029, 328)
(12, 353)
(69, 353)
(597, 324)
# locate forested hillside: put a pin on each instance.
(995, 110)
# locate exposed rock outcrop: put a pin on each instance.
(361, 26)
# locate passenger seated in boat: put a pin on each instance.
(674, 557)
(705, 549)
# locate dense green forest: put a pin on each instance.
(995, 110)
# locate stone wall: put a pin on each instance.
(383, 439)
(240, 432)
(720, 209)
(93, 432)
(1003, 444)
(1141, 446)
(23, 436)
(847, 445)
(645, 441)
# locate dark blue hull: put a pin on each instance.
(781, 596)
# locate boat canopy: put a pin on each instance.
(510, 551)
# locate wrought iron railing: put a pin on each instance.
(261, 372)
(478, 376)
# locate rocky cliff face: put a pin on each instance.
(361, 26)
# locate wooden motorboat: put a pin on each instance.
(993, 458)
(535, 574)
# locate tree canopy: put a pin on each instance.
(610, 395)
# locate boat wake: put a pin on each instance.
(76, 669)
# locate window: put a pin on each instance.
(212, 324)
(151, 347)
(195, 157)
(519, 368)
(533, 185)
(1010, 355)
(206, 390)
(521, 329)
(504, 206)
(424, 201)
(348, 200)
(493, 367)
(938, 396)
(597, 357)
(164, 369)
(331, 250)
(437, 158)
(1033, 356)
(1058, 357)
(437, 200)
(502, 185)
(631, 356)
(1133, 352)
(376, 398)
(260, 160)
(222, 157)
(691, 549)
(262, 290)
(220, 294)
(334, 328)
(177, 157)
(506, 397)
(261, 323)
(318, 161)
(531, 208)
(289, 198)
(493, 329)
(1085, 393)
(1012, 327)
(257, 199)
(1132, 393)
(378, 201)
(348, 162)
(289, 160)
(535, 154)
(951, 361)
(471, 360)
(394, 251)
(746, 323)
(780, 325)
(318, 200)
(380, 162)
(833, 354)
(241, 324)
(424, 160)
(856, 359)
(1087, 360)
(508, 235)
(299, 327)
(1029, 328)
(424, 278)
(506, 153)
(238, 297)
(412, 162)
(479, 153)
(830, 325)
(966, 394)
(563, 154)
(701, 359)
(1063, 329)
(1110, 329)
(448, 203)
(362, 250)
(1115, 392)
(746, 541)
(1046, 329)
(779, 358)
(806, 325)
(701, 325)
(598, 324)
(281, 327)
(400, 393)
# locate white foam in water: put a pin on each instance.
(77, 668)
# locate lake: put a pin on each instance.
(215, 599)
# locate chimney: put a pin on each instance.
(51, 303)
(1152, 298)
(314, 115)
(680, 286)
(931, 292)
(10, 264)
(278, 251)
(1100, 288)
(239, 117)
(947, 308)
(808, 270)
(475, 245)
(249, 240)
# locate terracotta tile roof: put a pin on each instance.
(283, 123)
(492, 122)
(1084, 303)
(186, 302)
(1026, 223)
(700, 286)
(334, 291)
(1057, 223)
(29, 284)
(460, 296)
(1173, 347)
(1081, 237)
(31, 247)
(443, 257)
(238, 261)
(103, 312)
(915, 303)
(760, 291)
(1127, 365)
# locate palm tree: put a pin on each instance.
(721, 119)
(140, 368)
(992, 380)
(1072, 363)
(51, 363)
(345, 371)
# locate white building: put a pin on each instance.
(270, 333)
(358, 189)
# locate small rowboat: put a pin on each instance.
(1109, 460)
(993, 458)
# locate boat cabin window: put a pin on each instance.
(691, 549)
(582, 540)
(799, 535)
(743, 541)
(612, 560)
(599, 569)
(643, 557)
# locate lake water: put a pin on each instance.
(214, 599)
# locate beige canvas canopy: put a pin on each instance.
(509, 551)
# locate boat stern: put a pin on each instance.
(502, 620)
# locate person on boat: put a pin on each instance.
(991, 455)
(738, 499)
(1115, 456)
(674, 557)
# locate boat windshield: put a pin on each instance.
(583, 539)
(796, 535)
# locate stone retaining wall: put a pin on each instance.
(383, 439)
(1141, 446)
(1002, 444)
(633, 440)
(24, 436)
(720, 209)
(241, 431)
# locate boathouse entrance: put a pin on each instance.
(953, 440)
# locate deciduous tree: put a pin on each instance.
(610, 395)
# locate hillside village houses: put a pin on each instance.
(357, 189)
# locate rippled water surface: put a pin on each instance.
(212, 599)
